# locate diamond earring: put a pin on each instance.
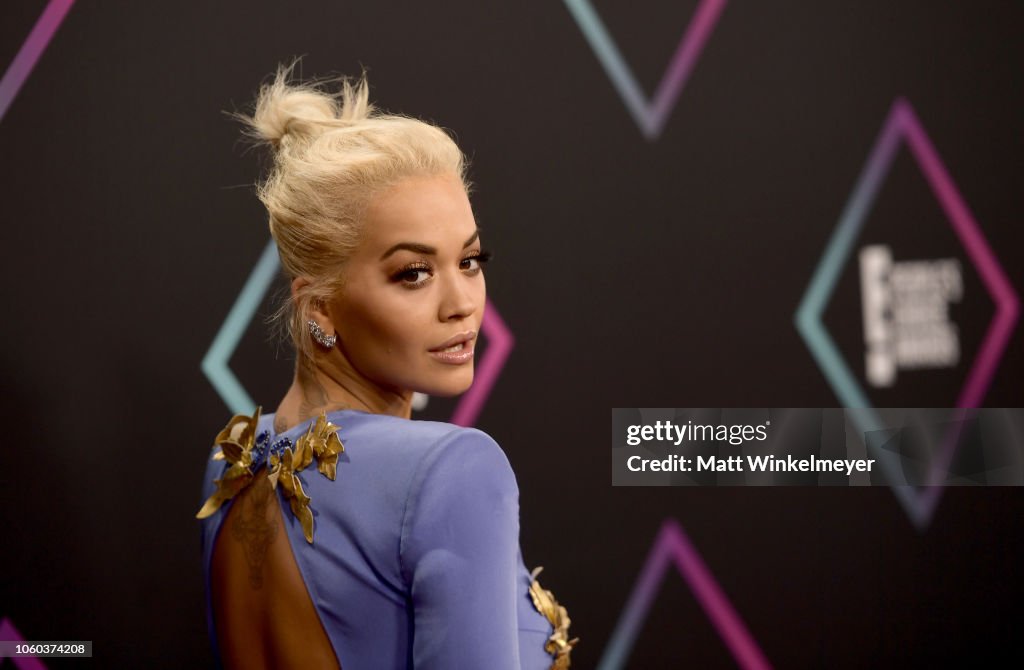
(322, 338)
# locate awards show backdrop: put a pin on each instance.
(691, 204)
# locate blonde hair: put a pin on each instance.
(333, 153)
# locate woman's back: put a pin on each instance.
(271, 622)
(414, 563)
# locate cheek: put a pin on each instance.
(481, 287)
(478, 290)
(383, 327)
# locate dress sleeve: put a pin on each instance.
(459, 543)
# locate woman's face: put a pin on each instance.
(409, 312)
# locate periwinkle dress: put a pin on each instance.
(415, 561)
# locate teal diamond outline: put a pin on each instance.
(215, 362)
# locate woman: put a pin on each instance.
(400, 548)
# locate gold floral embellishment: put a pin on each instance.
(322, 440)
(282, 470)
(558, 645)
(236, 444)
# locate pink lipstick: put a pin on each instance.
(456, 350)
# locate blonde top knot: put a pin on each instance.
(305, 111)
(333, 153)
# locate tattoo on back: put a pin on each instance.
(256, 527)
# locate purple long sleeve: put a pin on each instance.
(460, 540)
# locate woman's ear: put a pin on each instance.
(316, 310)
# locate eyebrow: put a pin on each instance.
(424, 248)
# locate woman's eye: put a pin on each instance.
(413, 276)
(474, 263)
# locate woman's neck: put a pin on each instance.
(320, 386)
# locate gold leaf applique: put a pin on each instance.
(558, 645)
(236, 442)
(283, 471)
(322, 440)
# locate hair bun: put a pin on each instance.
(305, 110)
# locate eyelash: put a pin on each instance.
(413, 269)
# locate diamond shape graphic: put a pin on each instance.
(216, 368)
(215, 362)
(672, 546)
(8, 633)
(902, 125)
(31, 51)
(650, 115)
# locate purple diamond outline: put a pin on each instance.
(903, 124)
(673, 546)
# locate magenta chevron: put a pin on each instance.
(672, 547)
(650, 115)
(499, 346)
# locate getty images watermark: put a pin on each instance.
(817, 447)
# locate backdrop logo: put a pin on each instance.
(649, 115)
(673, 548)
(31, 51)
(902, 125)
(215, 364)
(906, 313)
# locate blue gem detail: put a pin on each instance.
(259, 451)
(262, 450)
(280, 445)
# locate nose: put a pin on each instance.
(459, 298)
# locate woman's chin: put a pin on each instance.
(449, 388)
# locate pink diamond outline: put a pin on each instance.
(499, 345)
(672, 544)
(902, 124)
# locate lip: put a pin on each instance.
(459, 356)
